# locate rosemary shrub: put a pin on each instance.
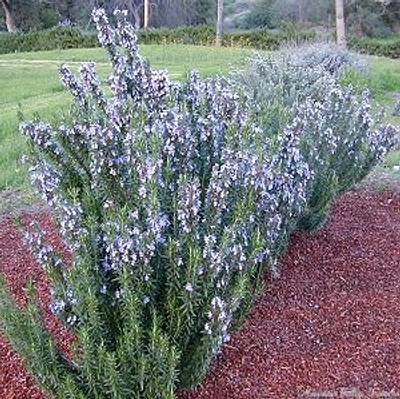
(328, 55)
(172, 204)
(338, 136)
(173, 200)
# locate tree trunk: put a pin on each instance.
(135, 11)
(10, 20)
(220, 17)
(146, 17)
(301, 12)
(340, 28)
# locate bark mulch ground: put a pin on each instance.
(329, 327)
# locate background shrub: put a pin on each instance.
(56, 38)
(64, 37)
(327, 55)
(338, 137)
(73, 37)
(381, 47)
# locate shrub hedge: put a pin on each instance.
(205, 35)
(73, 37)
(51, 39)
(383, 48)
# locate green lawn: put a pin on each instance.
(29, 85)
(384, 79)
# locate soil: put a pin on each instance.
(328, 327)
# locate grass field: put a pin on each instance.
(384, 80)
(29, 85)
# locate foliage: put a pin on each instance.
(30, 84)
(341, 143)
(370, 18)
(205, 35)
(55, 38)
(172, 205)
(73, 37)
(337, 135)
(32, 14)
(385, 48)
(364, 17)
(195, 35)
(285, 79)
(173, 200)
(327, 55)
(204, 12)
(260, 15)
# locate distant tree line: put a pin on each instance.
(372, 18)
(28, 15)
(363, 17)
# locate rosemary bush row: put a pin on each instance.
(339, 137)
(173, 200)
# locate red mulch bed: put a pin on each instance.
(329, 327)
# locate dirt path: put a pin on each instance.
(329, 327)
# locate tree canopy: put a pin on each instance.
(42, 14)
(363, 17)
